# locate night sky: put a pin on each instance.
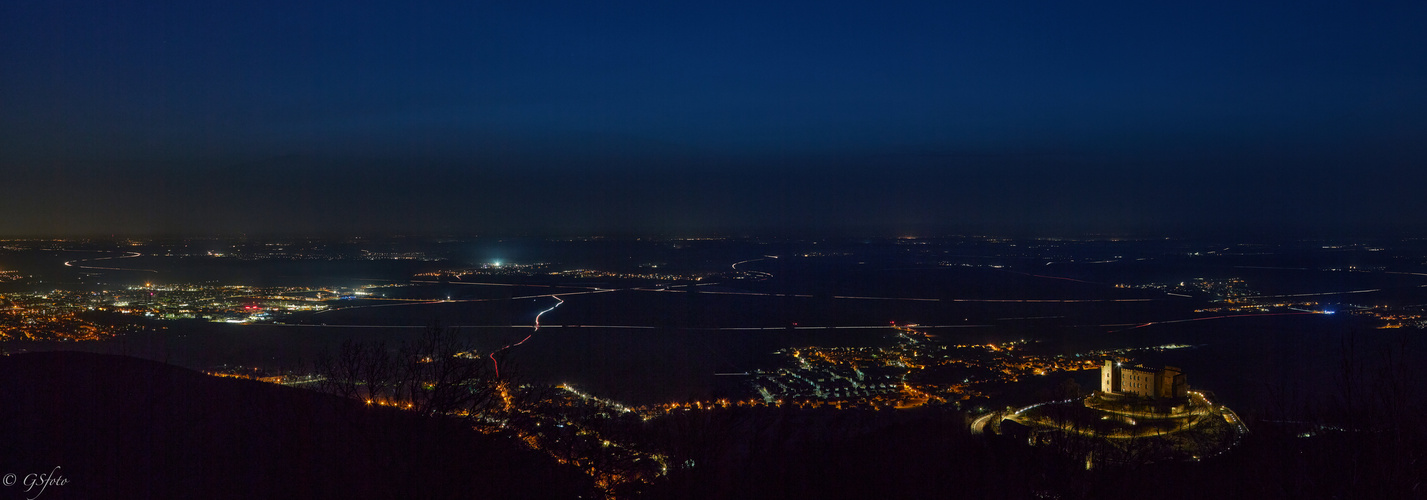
(731, 117)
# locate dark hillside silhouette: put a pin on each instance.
(123, 427)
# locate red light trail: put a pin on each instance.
(495, 363)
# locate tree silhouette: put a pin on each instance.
(438, 374)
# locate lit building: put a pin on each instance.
(1158, 383)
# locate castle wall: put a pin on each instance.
(1141, 381)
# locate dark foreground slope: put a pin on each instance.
(773, 454)
(121, 427)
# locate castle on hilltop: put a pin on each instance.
(1155, 383)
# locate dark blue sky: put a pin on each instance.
(552, 117)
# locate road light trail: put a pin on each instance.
(127, 255)
(1142, 325)
(495, 363)
(914, 299)
(762, 275)
(1064, 278)
(735, 264)
(491, 283)
(1369, 290)
(417, 302)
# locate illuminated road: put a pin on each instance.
(1228, 316)
(1202, 412)
(495, 363)
(978, 426)
(593, 290)
(128, 255)
(492, 283)
(1056, 277)
(457, 301)
(1315, 294)
(912, 299)
(761, 275)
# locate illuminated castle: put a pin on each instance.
(1115, 378)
